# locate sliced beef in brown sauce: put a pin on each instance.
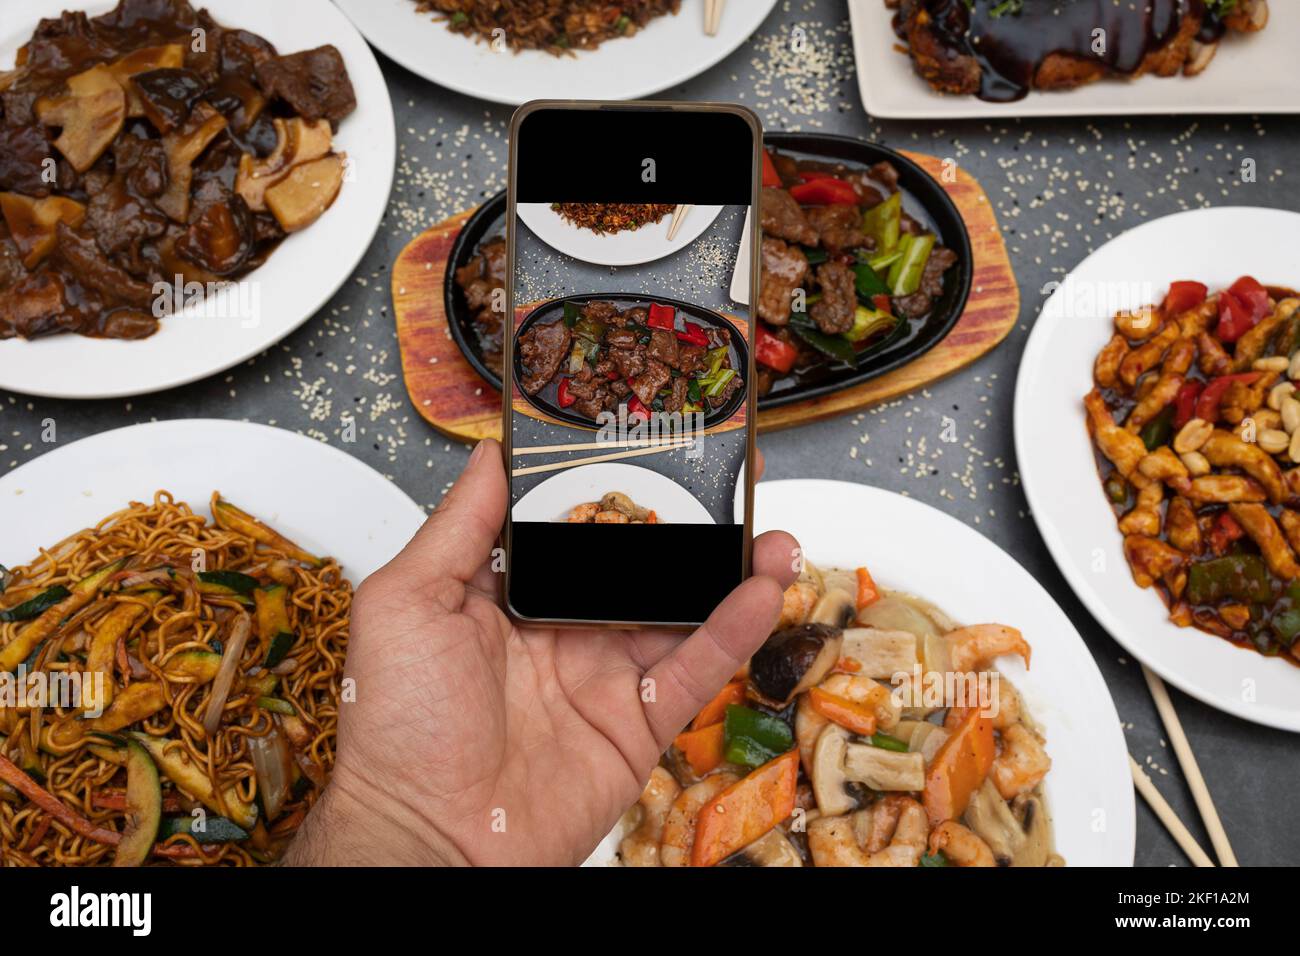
(629, 362)
(675, 401)
(314, 82)
(647, 384)
(663, 347)
(543, 348)
(922, 300)
(690, 359)
(833, 312)
(783, 269)
(782, 217)
(839, 226)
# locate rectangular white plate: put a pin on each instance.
(1251, 73)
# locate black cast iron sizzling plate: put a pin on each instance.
(924, 199)
(545, 400)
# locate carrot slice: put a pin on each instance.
(715, 710)
(746, 810)
(847, 713)
(868, 593)
(702, 748)
(959, 768)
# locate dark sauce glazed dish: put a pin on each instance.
(629, 354)
(805, 361)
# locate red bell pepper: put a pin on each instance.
(662, 316)
(1224, 531)
(1207, 405)
(882, 304)
(1183, 296)
(1252, 295)
(770, 176)
(612, 376)
(637, 407)
(826, 191)
(1235, 318)
(1185, 403)
(563, 395)
(694, 335)
(772, 352)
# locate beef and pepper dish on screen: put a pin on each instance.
(148, 143)
(1196, 422)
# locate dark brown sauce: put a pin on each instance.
(1010, 47)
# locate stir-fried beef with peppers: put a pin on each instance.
(843, 265)
(648, 358)
(131, 154)
(483, 281)
(1197, 423)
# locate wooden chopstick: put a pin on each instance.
(613, 456)
(588, 446)
(713, 16)
(1191, 771)
(1182, 836)
(679, 216)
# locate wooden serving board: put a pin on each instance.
(451, 396)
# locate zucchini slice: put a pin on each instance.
(201, 666)
(142, 699)
(143, 807)
(192, 779)
(227, 584)
(37, 605)
(35, 633)
(233, 519)
(103, 646)
(214, 829)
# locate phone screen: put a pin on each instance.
(629, 407)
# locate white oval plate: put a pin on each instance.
(627, 248)
(554, 498)
(322, 498)
(299, 277)
(1059, 472)
(910, 546)
(668, 51)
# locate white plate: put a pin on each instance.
(321, 498)
(300, 276)
(627, 248)
(1250, 74)
(668, 51)
(554, 498)
(910, 546)
(1058, 470)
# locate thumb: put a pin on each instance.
(456, 540)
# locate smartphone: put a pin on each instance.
(629, 398)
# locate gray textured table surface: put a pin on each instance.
(1061, 188)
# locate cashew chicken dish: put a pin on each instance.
(870, 730)
(1196, 422)
(154, 145)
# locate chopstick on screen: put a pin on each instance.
(679, 216)
(1182, 836)
(613, 456)
(1191, 771)
(713, 16)
(589, 446)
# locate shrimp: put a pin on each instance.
(1002, 706)
(808, 726)
(583, 513)
(679, 826)
(611, 517)
(960, 845)
(797, 604)
(641, 846)
(868, 692)
(1021, 764)
(833, 840)
(973, 648)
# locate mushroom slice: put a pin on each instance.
(183, 147)
(880, 653)
(1019, 836)
(882, 769)
(302, 197)
(91, 115)
(297, 142)
(33, 223)
(795, 659)
(168, 57)
(773, 848)
(836, 607)
(830, 785)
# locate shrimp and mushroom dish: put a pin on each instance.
(1196, 423)
(821, 752)
(613, 508)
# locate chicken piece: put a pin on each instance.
(1259, 524)
(784, 269)
(1150, 559)
(1163, 392)
(1181, 526)
(1290, 522)
(1139, 325)
(1148, 355)
(1241, 400)
(1225, 489)
(1164, 465)
(1106, 369)
(1122, 448)
(1214, 360)
(782, 217)
(1225, 450)
(1145, 516)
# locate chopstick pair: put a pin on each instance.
(713, 16)
(634, 449)
(679, 216)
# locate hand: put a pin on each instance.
(476, 740)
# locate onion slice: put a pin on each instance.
(274, 768)
(235, 642)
